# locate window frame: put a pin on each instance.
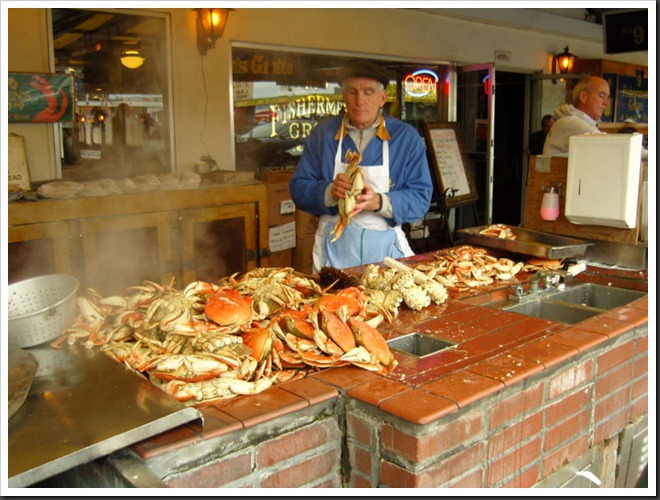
(444, 110)
(168, 99)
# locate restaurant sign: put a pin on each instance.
(40, 98)
(263, 65)
(632, 99)
(420, 83)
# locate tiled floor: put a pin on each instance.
(491, 349)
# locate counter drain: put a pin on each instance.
(419, 345)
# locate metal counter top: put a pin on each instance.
(82, 406)
(527, 242)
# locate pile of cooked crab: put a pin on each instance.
(238, 336)
(247, 332)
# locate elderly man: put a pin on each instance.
(397, 180)
(591, 96)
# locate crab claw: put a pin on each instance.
(371, 339)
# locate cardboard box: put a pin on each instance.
(282, 237)
(228, 177)
(281, 258)
(302, 255)
(276, 177)
(281, 209)
(264, 172)
(306, 224)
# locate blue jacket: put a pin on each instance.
(411, 186)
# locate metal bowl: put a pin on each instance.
(40, 308)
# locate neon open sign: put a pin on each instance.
(420, 83)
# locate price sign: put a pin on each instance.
(450, 164)
(626, 31)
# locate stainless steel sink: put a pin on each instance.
(418, 344)
(598, 296)
(571, 305)
(553, 311)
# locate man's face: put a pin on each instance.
(595, 100)
(546, 125)
(363, 98)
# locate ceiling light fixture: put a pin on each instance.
(210, 26)
(132, 58)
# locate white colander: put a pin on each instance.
(40, 308)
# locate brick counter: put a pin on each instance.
(516, 400)
(508, 421)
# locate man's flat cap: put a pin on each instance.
(365, 69)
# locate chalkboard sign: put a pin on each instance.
(450, 164)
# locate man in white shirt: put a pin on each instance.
(591, 96)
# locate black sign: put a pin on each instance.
(626, 31)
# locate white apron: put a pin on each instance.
(367, 238)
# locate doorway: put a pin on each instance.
(491, 111)
(509, 134)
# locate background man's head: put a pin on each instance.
(591, 95)
(546, 123)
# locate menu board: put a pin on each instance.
(450, 164)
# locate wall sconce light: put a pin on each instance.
(131, 58)
(563, 63)
(210, 25)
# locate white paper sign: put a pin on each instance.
(282, 237)
(450, 162)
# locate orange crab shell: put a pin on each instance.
(260, 340)
(338, 331)
(228, 307)
(300, 327)
(351, 297)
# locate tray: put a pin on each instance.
(82, 406)
(534, 243)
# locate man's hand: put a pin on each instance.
(340, 185)
(368, 200)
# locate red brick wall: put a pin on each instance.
(515, 438)
(305, 457)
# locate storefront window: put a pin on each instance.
(280, 96)
(121, 124)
